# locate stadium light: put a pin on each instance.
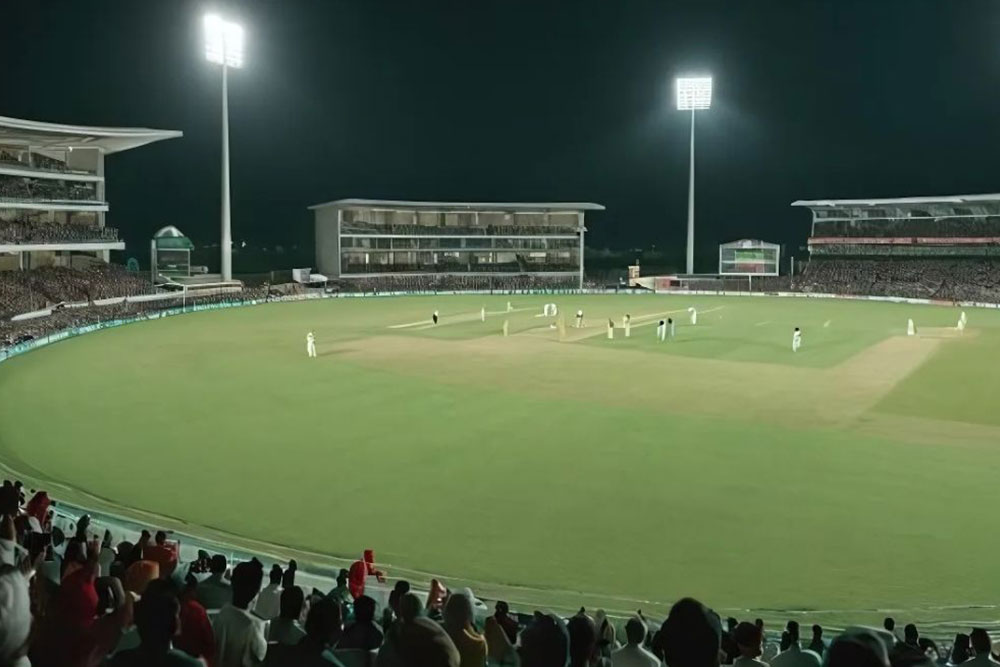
(224, 45)
(694, 93)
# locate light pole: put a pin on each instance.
(693, 93)
(224, 46)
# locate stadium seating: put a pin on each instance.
(98, 594)
(18, 231)
(16, 188)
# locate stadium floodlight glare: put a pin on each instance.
(694, 93)
(224, 42)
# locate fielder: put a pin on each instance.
(482, 315)
(550, 310)
(694, 315)
(579, 319)
(670, 327)
(627, 324)
(661, 330)
(509, 307)
(796, 340)
(961, 321)
(911, 330)
(434, 317)
(311, 345)
(611, 329)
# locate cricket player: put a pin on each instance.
(311, 345)
(509, 307)
(506, 328)
(961, 321)
(670, 327)
(482, 315)
(627, 323)
(694, 315)
(579, 319)
(611, 329)
(796, 340)
(661, 330)
(434, 317)
(911, 330)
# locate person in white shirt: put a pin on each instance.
(983, 646)
(795, 656)
(579, 319)
(239, 635)
(286, 629)
(633, 654)
(749, 639)
(627, 323)
(269, 600)
(215, 592)
(796, 340)
(694, 315)
(311, 345)
(911, 329)
(661, 331)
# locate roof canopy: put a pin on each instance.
(171, 238)
(526, 207)
(902, 201)
(55, 136)
(748, 243)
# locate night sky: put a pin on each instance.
(509, 100)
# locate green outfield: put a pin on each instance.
(556, 468)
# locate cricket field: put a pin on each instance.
(554, 467)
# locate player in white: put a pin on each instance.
(611, 329)
(627, 324)
(311, 345)
(911, 329)
(694, 315)
(796, 340)
(670, 328)
(961, 321)
(435, 317)
(579, 319)
(509, 307)
(661, 330)
(482, 315)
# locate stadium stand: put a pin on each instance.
(23, 231)
(81, 592)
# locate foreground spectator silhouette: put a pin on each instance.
(215, 592)
(458, 623)
(157, 620)
(691, 636)
(417, 641)
(983, 647)
(239, 635)
(268, 604)
(749, 640)
(323, 626)
(286, 628)
(860, 648)
(794, 655)
(817, 645)
(363, 634)
(633, 654)
(545, 642)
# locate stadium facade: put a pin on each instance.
(946, 226)
(368, 238)
(52, 191)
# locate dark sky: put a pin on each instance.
(506, 100)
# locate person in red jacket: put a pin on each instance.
(360, 570)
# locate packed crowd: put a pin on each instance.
(71, 595)
(358, 227)
(18, 158)
(448, 283)
(26, 291)
(519, 266)
(948, 279)
(44, 189)
(23, 231)
(971, 227)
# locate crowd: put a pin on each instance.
(520, 265)
(18, 158)
(71, 595)
(34, 289)
(23, 231)
(358, 227)
(44, 189)
(971, 227)
(448, 283)
(948, 279)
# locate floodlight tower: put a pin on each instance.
(224, 46)
(694, 93)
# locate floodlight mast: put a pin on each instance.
(224, 46)
(693, 94)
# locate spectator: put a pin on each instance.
(196, 637)
(323, 626)
(417, 641)
(983, 647)
(729, 645)
(817, 645)
(341, 594)
(960, 649)
(363, 634)
(157, 619)
(239, 635)
(15, 617)
(499, 649)
(215, 592)
(606, 640)
(794, 656)
(163, 553)
(139, 574)
(859, 648)
(504, 620)
(545, 642)
(268, 603)
(458, 617)
(583, 648)
(691, 636)
(633, 654)
(286, 628)
(360, 571)
(749, 639)
(909, 650)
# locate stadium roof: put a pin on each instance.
(460, 206)
(902, 201)
(58, 136)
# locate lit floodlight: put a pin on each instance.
(694, 93)
(223, 41)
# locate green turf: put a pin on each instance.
(623, 473)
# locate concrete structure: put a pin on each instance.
(363, 238)
(52, 191)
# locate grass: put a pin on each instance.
(844, 479)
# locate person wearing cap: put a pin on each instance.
(633, 654)
(239, 635)
(749, 640)
(795, 655)
(983, 647)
